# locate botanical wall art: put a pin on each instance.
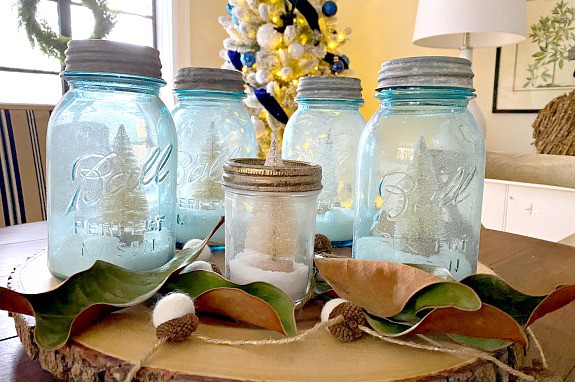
(528, 75)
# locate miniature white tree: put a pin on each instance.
(121, 201)
(421, 223)
(274, 43)
(273, 230)
(208, 186)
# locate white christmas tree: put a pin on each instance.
(421, 223)
(122, 202)
(209, 185)
(274, 43)
(273, 230)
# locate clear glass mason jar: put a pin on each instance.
(325, 129)
(421, 166)
(212, 127)
(111, 165)
(270, 221)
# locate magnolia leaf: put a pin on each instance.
(86, 296)
(556, 300)
(485, 344)
(434, 270)
(495, 291)
(486, 322)
(382, 288)
(257, 303)
(440, 295)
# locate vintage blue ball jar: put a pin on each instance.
(111, 161)
(212, 126)
(325, 129)
(421, 165)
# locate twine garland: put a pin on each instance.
(554, 127)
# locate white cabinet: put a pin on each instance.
(540, 211)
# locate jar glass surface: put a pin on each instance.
(212, 127)
(269, 237)
(421, 164)
(111, 174)
(327, 132)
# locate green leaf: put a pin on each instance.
(485, 344)
(87, 295)
(199, 282)
(495, 291)
(440, 295)
(385, 326)
(434, 270)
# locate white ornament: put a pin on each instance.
(296, 50)
(268, 37)
(193, 243)
(263, 76)
(259, 126)
(174, 305)
(271, 87)
(286, 71)
(329, 307)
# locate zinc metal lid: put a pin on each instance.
(329, 87)
(103, 56)
(190, 78)
(426, 71)
(272, 174)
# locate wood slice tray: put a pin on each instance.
(107, 350)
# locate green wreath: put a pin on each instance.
(52, 43)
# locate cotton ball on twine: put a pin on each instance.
(205, 254)
(296, 50)
(268, 37)
(174, 317)
(201, 265)
(352, 318)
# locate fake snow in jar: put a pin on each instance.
(212, 127)
(111, 162)
(270, 221)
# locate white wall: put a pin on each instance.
(382, 30)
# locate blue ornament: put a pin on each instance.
(235, 20)
(337, 67)
(329, 8)
(345, 60)
(229, 8)
(248, 59)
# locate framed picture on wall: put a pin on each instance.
(530, 74)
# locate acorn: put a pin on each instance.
(349, 329)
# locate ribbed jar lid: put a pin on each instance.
(272, 174)
(329, 87)
(102, 56)
(209, 79)
(426, 71)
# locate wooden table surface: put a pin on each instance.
(530, 265)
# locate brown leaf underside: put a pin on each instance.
(240, 306)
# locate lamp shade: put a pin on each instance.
(443, 23)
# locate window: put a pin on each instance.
(29, 76)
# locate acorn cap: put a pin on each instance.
(224, 80)
(103, 56)
(272, 174)
(353, 317)
(329, 87)
(426, 71)
(179, 329)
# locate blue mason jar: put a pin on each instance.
(212, 127)
(325, 129)
(421, 166)
(111, 162)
